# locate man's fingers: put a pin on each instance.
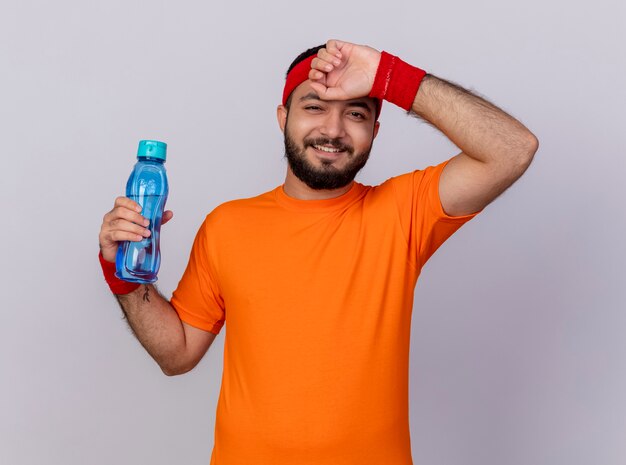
(125, 213)
(128, 203)
(319, 88)
(127, 226)
(124, 223)
(334, 46)
(120, 230)
(315, 75)
(328, 93)
(327, 57)
(321, 65)
(119, 236)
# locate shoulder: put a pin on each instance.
(410, 183)
(418, 176)
(237, 210)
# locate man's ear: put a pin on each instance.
(376, 128)
(281, 116)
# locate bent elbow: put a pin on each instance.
(169, 371)
(533, 146)
(175, 370)
(525, 156)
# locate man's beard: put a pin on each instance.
(327, 176)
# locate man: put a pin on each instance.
(316, 276)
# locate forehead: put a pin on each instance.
(304, 92)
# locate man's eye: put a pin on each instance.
(312, 107)
(357, 114)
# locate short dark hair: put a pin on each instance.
(303, 56)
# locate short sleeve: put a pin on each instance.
(424, 222)
(197, 299)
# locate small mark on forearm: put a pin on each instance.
(146, 294)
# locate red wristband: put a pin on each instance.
(117, 285)
(396, 81)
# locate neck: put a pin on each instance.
(297, 189)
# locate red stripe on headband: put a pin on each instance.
(297, 76)
(300, 73)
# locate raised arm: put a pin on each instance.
(496, 148)
(176, 346)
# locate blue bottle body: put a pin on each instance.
(147, 185)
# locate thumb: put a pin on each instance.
(167, 215)
(328, 93)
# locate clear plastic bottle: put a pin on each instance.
(147, 185)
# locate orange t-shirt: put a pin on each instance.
(318, 297)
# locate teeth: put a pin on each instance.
(326, 149)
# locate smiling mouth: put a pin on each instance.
(325, 149)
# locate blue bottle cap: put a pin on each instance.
(152, 149)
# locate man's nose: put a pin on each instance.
(333, 125)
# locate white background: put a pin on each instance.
(518, 349)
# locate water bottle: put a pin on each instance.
(147, 185)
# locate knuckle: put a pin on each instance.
(120, 212)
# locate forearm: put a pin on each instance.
(156, 325)
(480, 129)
